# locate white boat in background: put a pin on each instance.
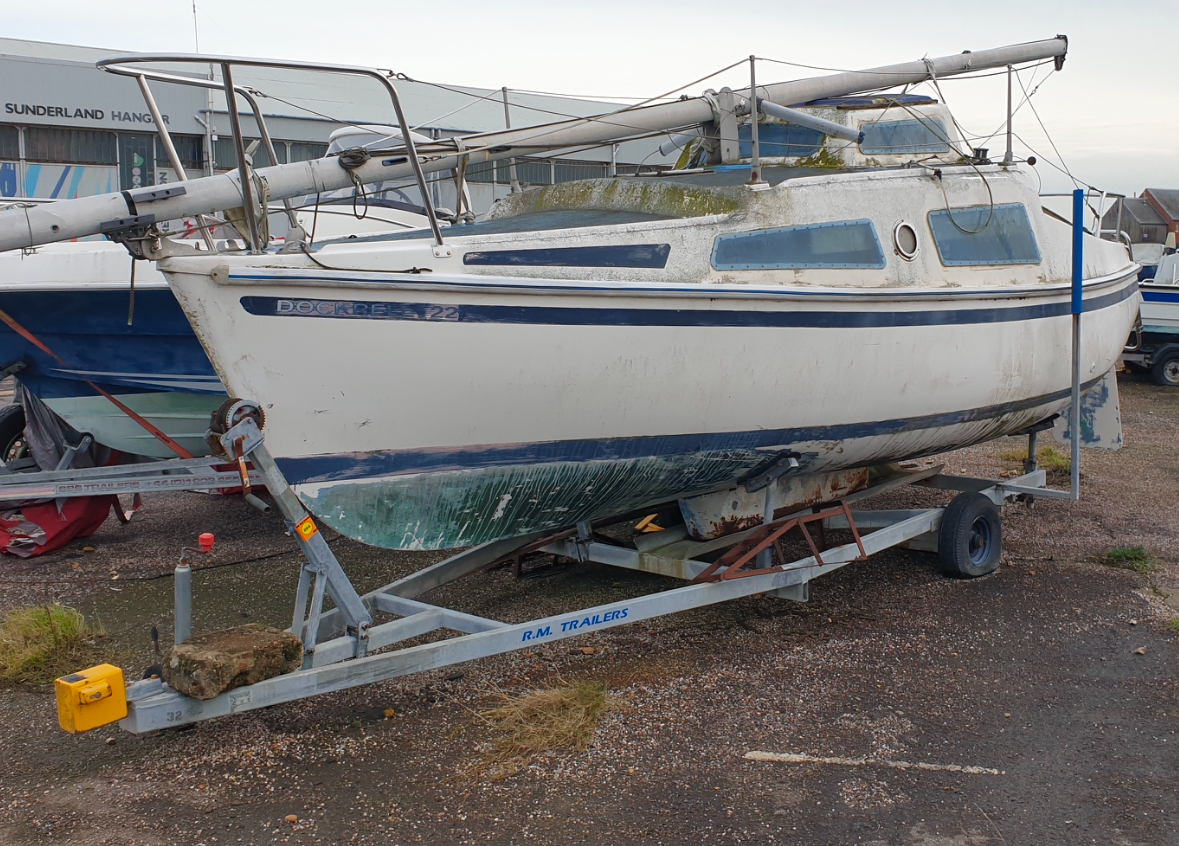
(1153, 346)
(76, 299)
(1160, 298)
(382, 207)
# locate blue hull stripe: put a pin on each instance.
(333, 468)
(1160, 296)
(630, 255)
(564, 316)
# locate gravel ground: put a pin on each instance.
(1031, 674)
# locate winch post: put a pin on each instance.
(182, 590)
(182, 593)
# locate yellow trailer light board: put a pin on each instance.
(91, 698)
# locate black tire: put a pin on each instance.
(1165, 370)
(12, 434)
(970, 538)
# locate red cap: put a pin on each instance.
(206, 541)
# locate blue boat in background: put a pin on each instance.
(75, 298)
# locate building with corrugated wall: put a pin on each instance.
(68, 129)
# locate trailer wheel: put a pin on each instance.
(13, 446)
(970, 537)
(1166, 369)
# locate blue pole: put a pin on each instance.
(1078, 308)
(1078, 248)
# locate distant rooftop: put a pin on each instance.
(1167, 198)
(1142, 211)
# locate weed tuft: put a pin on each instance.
(1130, 558)
(543, 721)
(39, 644)
(1173, 625)
(1049, 459)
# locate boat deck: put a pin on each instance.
(527, 218)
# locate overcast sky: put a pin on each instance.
(1111, 111)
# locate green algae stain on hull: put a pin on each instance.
(465, 507)
(638, 195)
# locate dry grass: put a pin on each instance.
(39, 644)
(1130, 558)
(1050, 459)
(562, 717)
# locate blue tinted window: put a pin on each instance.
(1006, 238)
(845, 243)
(779, 140)
(927, 135)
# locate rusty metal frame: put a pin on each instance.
(737, 560)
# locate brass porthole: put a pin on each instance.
(904, 237)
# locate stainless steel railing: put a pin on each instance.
(130, 66)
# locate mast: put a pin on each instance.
(40, 224)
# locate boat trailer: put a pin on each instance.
(344, 647)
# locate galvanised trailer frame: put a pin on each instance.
(344, 647)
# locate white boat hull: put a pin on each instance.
(477, 412)
(1160, 308)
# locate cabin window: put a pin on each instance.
(980, 235)
(844, 243)
(927, 135)
(779, 140)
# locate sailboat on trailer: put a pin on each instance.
(603, 346)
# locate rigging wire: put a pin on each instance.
(1076, 182)
(603, 118)
(1026, 98)
(477, 98)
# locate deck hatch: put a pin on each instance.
(841, 244)
(982, 235)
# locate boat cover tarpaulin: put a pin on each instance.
(37, 529)
(46, 435)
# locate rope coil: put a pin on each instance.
(350, 160)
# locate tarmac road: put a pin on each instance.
(1021, 693)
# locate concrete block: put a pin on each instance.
(210, 664)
